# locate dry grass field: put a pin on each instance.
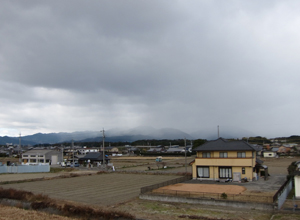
(9, 213)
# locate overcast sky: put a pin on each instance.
(191, 65)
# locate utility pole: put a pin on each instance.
(185, 155)
(103, 138)
(73, 152)
(218, 132)
(19, 148)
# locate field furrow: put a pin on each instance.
(95, 189)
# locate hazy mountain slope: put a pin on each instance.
(14, 140)
(129, 135)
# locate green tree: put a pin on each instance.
(291, 169)
(198, 142)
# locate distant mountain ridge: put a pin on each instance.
(126, 135)
(112, 135)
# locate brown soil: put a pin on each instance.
(278, 166)
(207, 188)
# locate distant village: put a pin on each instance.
(74, 153)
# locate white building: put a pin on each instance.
(88, 150)
(269, 154)
(33, 157)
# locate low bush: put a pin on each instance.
(60, 169)
(89, 213)
(15, 194)
(224, 196)
(102, 172)
(40, 205)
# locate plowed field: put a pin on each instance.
(104, 189)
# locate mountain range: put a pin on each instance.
(121, 134)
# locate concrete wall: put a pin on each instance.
(285, 192)
(226, 203)
(59, 157)
(25, 169)
(297, 187)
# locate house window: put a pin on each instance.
(32, 155)
(225, 172)
(206, 155)
(32, 160)
(241, 154)
(243, 170)
(223, 154)
(41, 161)
(203, 172)
(25, 155)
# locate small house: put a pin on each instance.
(269, 154)
(93, 158)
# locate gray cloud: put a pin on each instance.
(75, 65)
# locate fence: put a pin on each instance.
(166, 183)
(25, 169)
(275, 197)
(283, 192)
(216, 196)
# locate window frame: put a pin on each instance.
(223, 154)
(241, 154)
(206, 155)
(205, 172)
(225, 172)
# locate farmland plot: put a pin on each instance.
(105, 189)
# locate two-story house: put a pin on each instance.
(222, 159)
(42, 156)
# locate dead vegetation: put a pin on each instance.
(44, 203)
(8, 213)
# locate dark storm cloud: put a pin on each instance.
(79, 47)
(78, 65)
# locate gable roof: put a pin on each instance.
(39, 151)
(93, 156)
(224, 145)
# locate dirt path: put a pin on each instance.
(32, 176)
